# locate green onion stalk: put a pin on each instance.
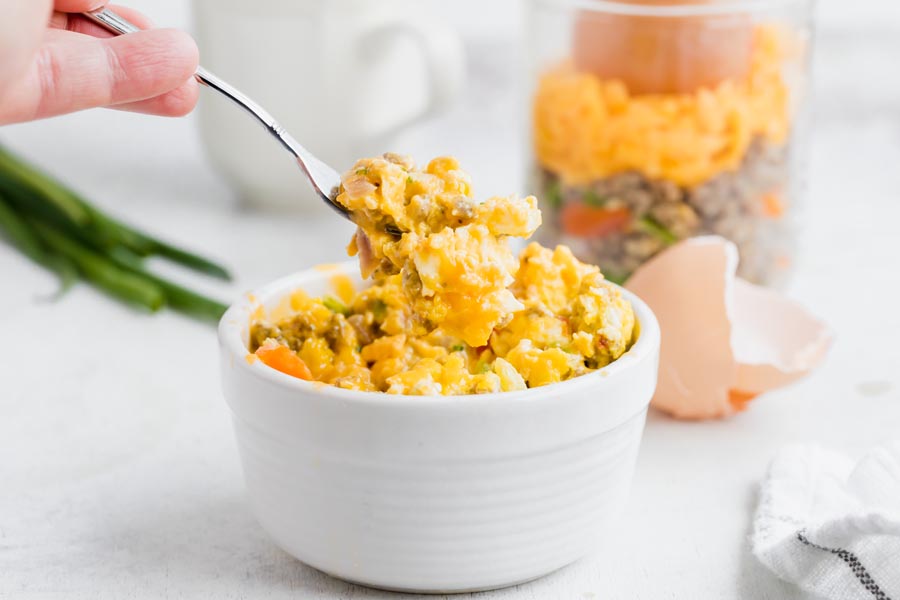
(60, 231)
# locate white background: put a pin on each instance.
(118, 473)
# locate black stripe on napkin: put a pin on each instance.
(852, 561)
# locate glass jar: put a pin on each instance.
(657, 120)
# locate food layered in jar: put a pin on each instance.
(625, 169)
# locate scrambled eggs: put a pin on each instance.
(453, 255)
(450, 310)
(587, 128)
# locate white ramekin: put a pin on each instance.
(434, 494)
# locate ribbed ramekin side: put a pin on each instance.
(440, 525)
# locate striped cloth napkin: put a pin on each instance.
(832, 525)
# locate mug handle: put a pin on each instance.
(442, 50)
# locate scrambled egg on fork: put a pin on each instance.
(451, 310)
(452, 252)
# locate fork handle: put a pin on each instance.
(315, 169)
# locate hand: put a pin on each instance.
(55, 62)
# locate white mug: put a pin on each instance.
(342, 76)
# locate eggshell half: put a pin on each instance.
(686, 286)
(663, 54)
(724, 341)
(775, 340)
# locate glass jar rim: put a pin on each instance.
(721, 7)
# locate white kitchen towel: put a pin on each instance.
(830, 525)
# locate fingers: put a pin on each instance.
(80, 24)
(21, 27)
(73, 72)
(176, 103)
(74, 6)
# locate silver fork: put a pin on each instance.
(325, 180)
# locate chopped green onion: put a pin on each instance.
(553, 194)
(335, 305)
(362, 171)
(650, 225)
(616, 278)
(379, 309)
(482, 367)
(592, 198)
(457, 348)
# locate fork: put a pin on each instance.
(325, 180)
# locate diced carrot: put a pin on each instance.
(772, 205)
(581, 220)
(282, 359)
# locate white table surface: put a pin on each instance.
(118, 472)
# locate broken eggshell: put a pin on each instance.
(724, 341)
